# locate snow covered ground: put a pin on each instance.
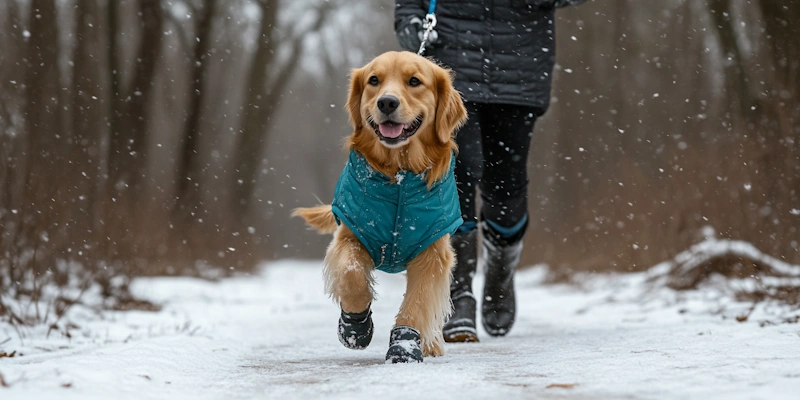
(272, 335)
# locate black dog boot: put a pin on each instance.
(405, 345)
(355, 329)
(501, 255)
(460, 327)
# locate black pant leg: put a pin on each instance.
(469, 162)
(505, 137)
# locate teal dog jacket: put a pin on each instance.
(395, 219)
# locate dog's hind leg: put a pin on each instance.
(348, 272)
(427, 300)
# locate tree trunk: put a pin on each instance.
(89, 108)
(128, 129)
(737, 87)
(767, 121)
(256, 116)
(11, 177)
(130, 115)
(188, 184)
(42, 117)
(782, 134)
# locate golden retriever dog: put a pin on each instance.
(395, 204)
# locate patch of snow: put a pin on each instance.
(710, 248)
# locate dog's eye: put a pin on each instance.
(414, 81)
(373, 80)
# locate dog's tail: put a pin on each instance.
(320, 218)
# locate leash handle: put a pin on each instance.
(429, 24)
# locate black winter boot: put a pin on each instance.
(355, 329)
(405, 345)
(460, 327)
(501, 256)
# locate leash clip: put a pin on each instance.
(429, 24)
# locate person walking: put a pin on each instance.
(502, 53)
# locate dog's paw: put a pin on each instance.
(433, 349)
(404, 345)
(355, 329)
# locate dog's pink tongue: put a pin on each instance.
(390, 130)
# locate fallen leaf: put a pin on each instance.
(3, 382)
(4, 354)
(66, 385)
(561, 385)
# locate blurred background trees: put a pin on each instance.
(133, 132)
(173, 137)
(669, 118)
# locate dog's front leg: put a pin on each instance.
(427, 300)
(349, 282)
(348, 272)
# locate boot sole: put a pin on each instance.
(461, 336)
(496, 331)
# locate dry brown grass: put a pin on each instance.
(637, 220)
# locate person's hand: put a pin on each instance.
(410, 33)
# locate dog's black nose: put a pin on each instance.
(387, 104)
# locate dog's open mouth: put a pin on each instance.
(394, 132)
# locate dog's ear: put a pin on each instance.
(354, 98)
(450, 111)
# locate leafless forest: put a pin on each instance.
(144, 137)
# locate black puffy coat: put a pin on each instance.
(502, 51)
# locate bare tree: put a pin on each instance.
(781, 138)
(737, 88)
(43, 158)
(11, 170)
(130, 113)
(128, 122)
(266, 83)
(89, 111)
(188, 184)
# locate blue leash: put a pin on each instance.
(432, 7)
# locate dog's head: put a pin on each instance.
(404, 111)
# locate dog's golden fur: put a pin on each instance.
(348, 265)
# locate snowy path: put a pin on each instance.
(272, 336)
